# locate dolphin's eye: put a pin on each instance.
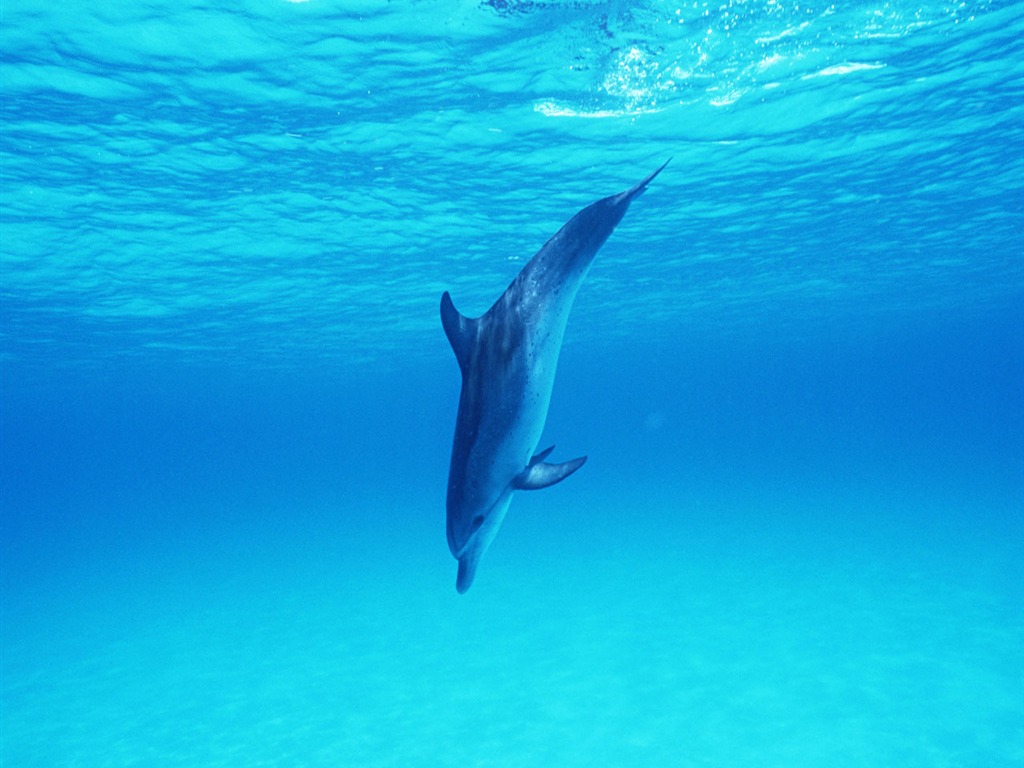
(477, 522)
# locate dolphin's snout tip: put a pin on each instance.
(467, 571)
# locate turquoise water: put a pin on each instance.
(797, 368)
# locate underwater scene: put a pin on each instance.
(278, 383)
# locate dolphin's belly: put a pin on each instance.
(500, 422)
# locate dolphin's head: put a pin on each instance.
(470, 535)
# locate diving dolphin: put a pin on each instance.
(508, 358)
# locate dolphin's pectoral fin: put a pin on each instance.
(541, 456)
(540, 475)
(460, 330)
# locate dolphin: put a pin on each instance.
(508, 358)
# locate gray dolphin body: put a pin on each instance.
(508, 358)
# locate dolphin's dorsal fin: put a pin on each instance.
(460, 330)
(539, 475)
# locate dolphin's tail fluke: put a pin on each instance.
(638, 190)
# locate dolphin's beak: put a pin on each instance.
(467, 570)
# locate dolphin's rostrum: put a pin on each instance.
(508, 358)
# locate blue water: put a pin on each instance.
(227, 403)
